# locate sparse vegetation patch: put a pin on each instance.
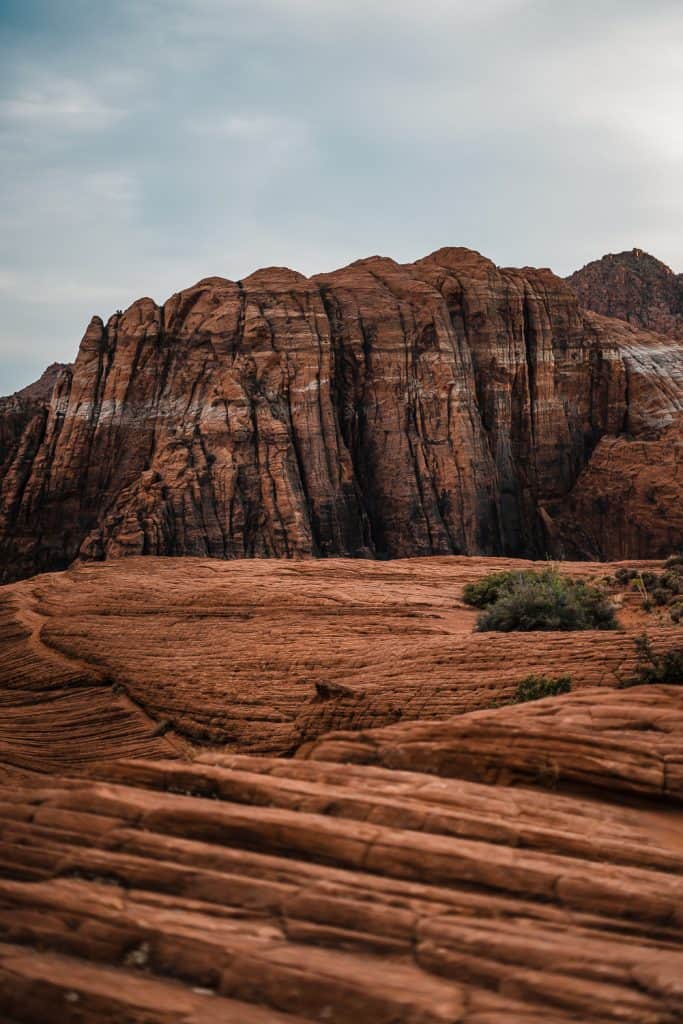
(658, 590)
(526, 601)
(538, 687)
(653, 667)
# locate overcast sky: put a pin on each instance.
(145, 144)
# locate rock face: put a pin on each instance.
(633, 286)
(446, 406)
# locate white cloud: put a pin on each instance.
(203, 17)
(428, 11)
(8, 281)
(58, 102)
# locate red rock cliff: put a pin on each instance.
(380, 410)
(633, 286)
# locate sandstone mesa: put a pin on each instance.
(442, 407)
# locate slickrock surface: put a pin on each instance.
(633, 286)
(151, 657)
(242, 889)
(622, 740)
(521, 864)
(445, 406)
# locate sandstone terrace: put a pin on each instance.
(94, 659)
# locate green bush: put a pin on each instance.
(656, 589)
(652, 667)
(546, 601)
(672, 579)
(489, 588)
(538, 687)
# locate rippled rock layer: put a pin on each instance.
(427, 853)
(156, 657)
(260, 891)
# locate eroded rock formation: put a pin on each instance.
(633, 286)
(445, 406)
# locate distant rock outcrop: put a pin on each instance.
(42, 388)
(633, 286)
(445, 406)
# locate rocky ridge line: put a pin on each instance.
(633, 286)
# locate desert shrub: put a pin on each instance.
(488, 589)
(644, 581)
(676, 612)
(547, 601)
(652, 667)
(538, 687)
(656, 589)
(672, 579)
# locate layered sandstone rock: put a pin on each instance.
(627, 498)
(618, 740)
(633, 286)
(158, 657)
(514, 863)
(446, 406)
(23, 414)
(243, 889)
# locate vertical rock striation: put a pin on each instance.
(445, 406)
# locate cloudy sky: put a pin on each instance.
(145, 144)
